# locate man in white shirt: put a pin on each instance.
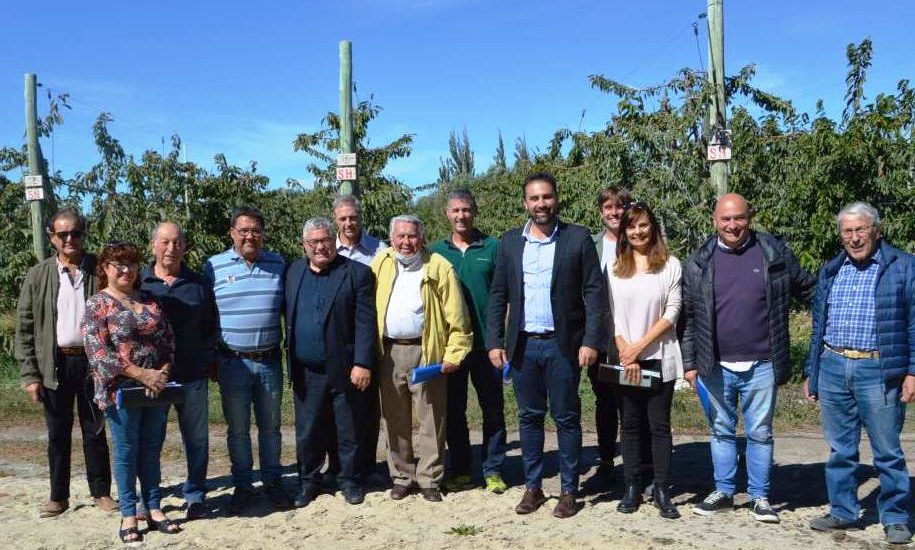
(422, 320)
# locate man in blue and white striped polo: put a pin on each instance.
(248, 284)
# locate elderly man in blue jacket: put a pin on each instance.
(861, 369)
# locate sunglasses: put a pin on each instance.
(635, 204)
(76, 234)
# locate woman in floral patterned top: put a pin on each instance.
(129, 342)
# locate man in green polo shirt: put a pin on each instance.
(473, 255)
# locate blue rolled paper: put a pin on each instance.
(506, 373)
(425, 373)
(702, 392)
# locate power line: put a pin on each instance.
(698, 47)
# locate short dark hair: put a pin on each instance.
(116, 251)
(462, 195)
(67, 214)
(539, 176)
(620, 194)
(247, 211)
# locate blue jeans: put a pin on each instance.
(244, 382)
(540, 373)
(852, 393)
(137, 435)
(193, 420)
(487, 381)
(756, 390)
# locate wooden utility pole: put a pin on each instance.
(347, 185)
(37, 188)
(718, 163)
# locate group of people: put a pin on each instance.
(541, 304)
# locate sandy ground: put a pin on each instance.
(798, 492)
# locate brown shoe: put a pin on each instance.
(532, 499)
(53, 508)
(431, 494)
(567, 507)
(106, 504)
(400, 492)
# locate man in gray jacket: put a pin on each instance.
(52, 361)
(737, 289)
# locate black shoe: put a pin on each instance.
(305, 496)
(400, 492)
(241, 498)
(277, 495)
(195, 510)
(353, 494)
(662, 502)
(431, 494)
(631, 500)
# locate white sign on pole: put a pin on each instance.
(346, 173)
(346, 159)
(33, 181)
(719, 152)
(34, 194)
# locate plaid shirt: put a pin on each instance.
(850, 307)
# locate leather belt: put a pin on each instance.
(72, 351)
(258, 355)
(853, 353)
(540, 335)
(404, 341)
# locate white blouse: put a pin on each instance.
(638, 302)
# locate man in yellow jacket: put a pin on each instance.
(422, 321)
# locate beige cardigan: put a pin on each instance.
(669, 284)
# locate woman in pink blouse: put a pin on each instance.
(645, 298)
(129, 343)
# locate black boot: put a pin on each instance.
(662, 502)
(631, 500)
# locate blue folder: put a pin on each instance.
(135, 396)
(506, 373)
(425, 373)
(702, 392)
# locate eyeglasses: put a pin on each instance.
(249, 231)
(313, 243)
(123, 268)
(635, 204)
(76, 234)
(852, 231)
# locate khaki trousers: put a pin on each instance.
(398, 402)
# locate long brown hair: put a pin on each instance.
(121, 252)
(657, 251)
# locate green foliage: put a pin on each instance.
(382, 196)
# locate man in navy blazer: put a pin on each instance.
(548, 280)
(330, 333)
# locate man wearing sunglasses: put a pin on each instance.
(53, 364)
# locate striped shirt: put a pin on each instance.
(249, 299)
(537, 268)
(850, 306)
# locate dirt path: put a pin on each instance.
(798, 492)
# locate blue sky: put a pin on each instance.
(244, 77)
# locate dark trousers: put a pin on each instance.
(370, 424)
(74, 384)
(316, 401)
(639, 405)
(487, 381)
(542, 375)
(606, 415)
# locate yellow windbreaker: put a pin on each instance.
(447, 329)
